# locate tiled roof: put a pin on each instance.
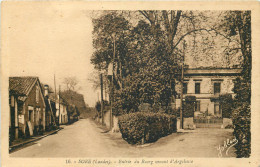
(21, 85)
(52, 97)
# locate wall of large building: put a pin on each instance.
(206, 90)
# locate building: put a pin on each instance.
(61, 110)
(50, 110)
(27, 107)
(207, 84)
(59, 107)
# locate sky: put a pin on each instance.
(43, 40)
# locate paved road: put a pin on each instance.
(85, 139)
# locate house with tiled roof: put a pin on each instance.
(50, 110)
(27, 107)
(59, 105)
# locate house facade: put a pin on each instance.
(50, 110)
(61, 110)
(58, 106)
(27, 107)
(207, 85)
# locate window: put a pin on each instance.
(197, 88)
(216, 88)
(217, 109)
(185, 88)
(30, 115)
(197, 105)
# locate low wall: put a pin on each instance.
(226, 122)
(107, 121)
(107, 118)
(188, 123)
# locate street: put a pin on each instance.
(86, 139)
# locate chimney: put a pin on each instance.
(46, 90)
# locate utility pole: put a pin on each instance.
(105, 86)
(55, 96)
(181, 108)
(102, 107)
(59, 106)
(112, 87)
(182, 75)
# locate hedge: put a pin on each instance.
(142, 127)
(242, 129)
(226, 103)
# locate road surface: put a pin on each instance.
(86, 139)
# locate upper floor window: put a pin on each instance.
(197, 88)
(185, 88)
(216, 88)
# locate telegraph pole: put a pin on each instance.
(182, 76)
(102, 107)
(55, 96)
(181, 113)
(112, 88)
(59, 106)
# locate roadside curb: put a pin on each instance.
(14, 147)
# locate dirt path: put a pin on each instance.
(86, 139)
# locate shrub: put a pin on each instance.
(242, 132)
(141, 127)
(229, 127)
(176, 112)
(98, 106)
(226, 103)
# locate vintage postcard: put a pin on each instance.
(138, 83)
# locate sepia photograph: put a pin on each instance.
(155, 87)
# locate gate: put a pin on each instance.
(208, 122)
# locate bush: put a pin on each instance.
(226, 103)
(98, 106)
(141, 127)
(229, 127)
(242, 132)
(176, 112)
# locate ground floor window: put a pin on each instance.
(217, 109)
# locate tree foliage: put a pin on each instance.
(239, 23)
(149, 73)
(147, 53)
(70, 83)
(109, 30)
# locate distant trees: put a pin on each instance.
(72, 97)
(70, 83)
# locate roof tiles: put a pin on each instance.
(21, 85)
